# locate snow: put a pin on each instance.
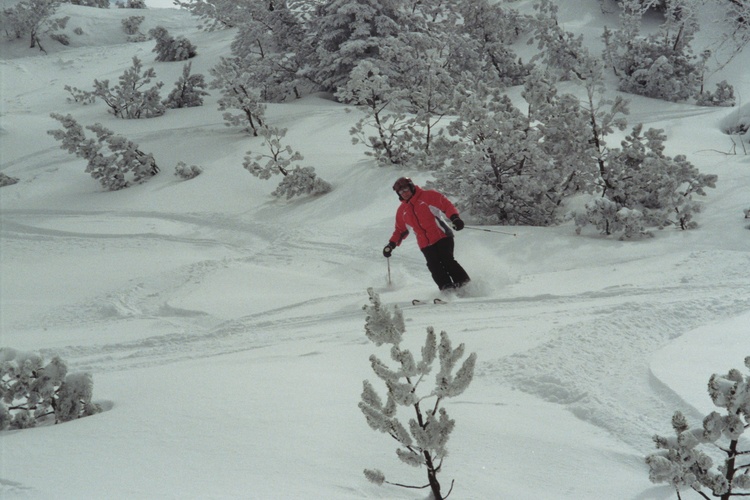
(224, 330)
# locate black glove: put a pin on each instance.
(388, 249)
(458, 224)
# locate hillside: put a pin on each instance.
(224, 327)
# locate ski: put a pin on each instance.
(417, 302)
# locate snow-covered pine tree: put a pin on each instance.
(423, 69)
(682, 461)
(127, 163)
(239, 91)
(494, 27)
(296, 180)
(33, 18)
(188, 91)
(218, 14)
(496, 168)
(372, 92)
(423, 440)
(128, 99)
(31, 391)
(645, 187)
(168, 48)
(271, 44)
(564, 125)
(661, 65)
(132, 27)
(346, 32)
(724, 96)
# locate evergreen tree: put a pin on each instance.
(33, 18)
(271, 45)
(125, 165)
(188, 91)
(129, 99)
(296, 180)
(681, 460)
(131, 25)
(372, 92)
(645, 188)
(218, 14)
(423, 442)
(496, 167)
(239, 92)
(494, 28)
(661, 65)
(346, 32)
(32, 391)
(169, 48)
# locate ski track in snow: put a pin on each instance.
(591, 352)
(599, 366)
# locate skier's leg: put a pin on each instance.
(458, 275)
(435, 265)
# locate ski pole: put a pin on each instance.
(490, 230)
(389, 271)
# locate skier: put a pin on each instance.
(419, 209)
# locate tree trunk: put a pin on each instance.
(432, 477)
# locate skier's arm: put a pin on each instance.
(439, 200)
(400, 232)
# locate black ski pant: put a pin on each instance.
(446, 272)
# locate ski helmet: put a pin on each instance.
(401, 183)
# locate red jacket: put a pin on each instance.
(420, 213)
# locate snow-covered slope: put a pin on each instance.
(224, 327)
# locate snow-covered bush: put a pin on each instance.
(661, 65)
(345, 33)
(6, 180)
(32, 391)
(495, 27)
(238, 89)
(102, 4)
(738, 122)
(686, 460)
(128, 99)
(124, 166)
(217, 14)
(724, 96)
(300, 181)
(60, 38)
(188, 91)
(132, 4)
(497, 165)
(186, 172)
(296, 180)
(384, 130)
(654, 189)
(132, 25)
(609, 218)
(80, 96)
(422, 441)
(33, 18)
(171, 49)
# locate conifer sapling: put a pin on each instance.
(423, 439)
